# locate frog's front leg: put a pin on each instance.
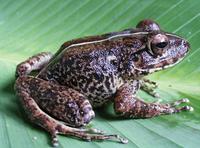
(128, 105)
(35, 62)
(38, 97)
(149, 87)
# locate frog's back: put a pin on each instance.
(91, 67)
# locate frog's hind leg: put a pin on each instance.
(38, 97)
(35, 62)
(128, 105)
(149, 87)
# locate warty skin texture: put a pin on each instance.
(89, 72)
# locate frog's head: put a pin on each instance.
(162, 50)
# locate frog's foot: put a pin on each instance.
(35, 62)
(154, 84)
(86, 129)
(176, 103)
(173, 107)
(60, 102)
(149, 87)
(86, 135)
(128, 105)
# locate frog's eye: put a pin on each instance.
(161, 44)
(158, 44)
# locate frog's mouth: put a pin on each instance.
(177, 50)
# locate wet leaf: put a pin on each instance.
(29, 27)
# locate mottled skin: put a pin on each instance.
(88, 72)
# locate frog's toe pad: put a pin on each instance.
(185, 108)
(124, 141)
(191, 109)
(156, 95)
(184, 100)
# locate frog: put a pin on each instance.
(60, 91)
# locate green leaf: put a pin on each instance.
(29, 27)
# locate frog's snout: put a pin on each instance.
(186, 44)
(185, 47)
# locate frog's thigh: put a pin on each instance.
(35, 62)
(128, 105)
(29, 98)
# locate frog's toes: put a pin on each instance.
(118, 138)
(153, 84)
(186, 108)
(158, 100)
(183, 108)
(92, 130)
(96, 131)
(150, 82)
(152, 93)
(54, 139)
(55, 143)
(149, 87)
(84, 134)
(155, 94)
(186, 100)
(176, 103)
(191, 108)
(122, 140)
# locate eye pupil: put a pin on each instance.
(161, 45)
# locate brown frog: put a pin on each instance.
(89, 72)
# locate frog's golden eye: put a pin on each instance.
(158, 44)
